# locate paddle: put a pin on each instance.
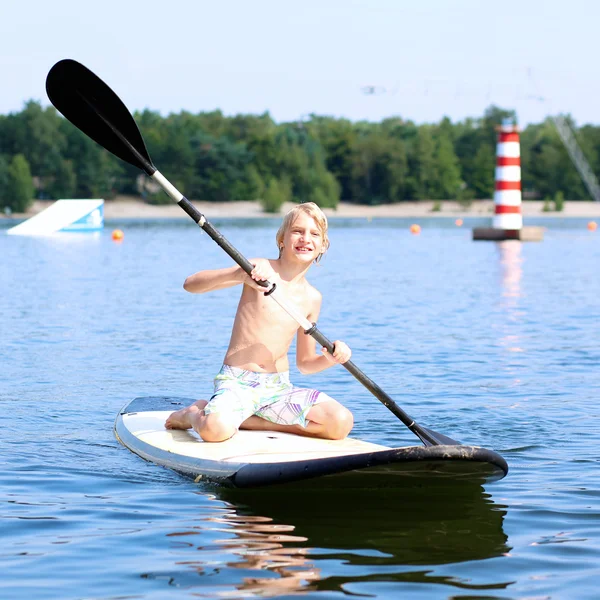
(86, 101)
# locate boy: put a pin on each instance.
(252, 390)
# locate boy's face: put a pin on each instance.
(303, 240)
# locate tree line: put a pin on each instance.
(213, 157)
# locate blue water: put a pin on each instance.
(494, 344)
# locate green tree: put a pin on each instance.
(213, 123)
(448, 169)
(326, 189)
(338, 139)
(379, 169)
(3, 181)
(214, 157)
(423, 167)
(276, 193)
(559, 201)
(493, 117)
(18, 191)
(179, 157)
(96, 171)
(221, 169)
(36, 133)
(483, 172)
(548, 168)
(252, 186)
(590, 138)
(301, 159)
(64, 181)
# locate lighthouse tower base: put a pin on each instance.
(525, 234)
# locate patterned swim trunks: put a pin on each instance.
(268, 395)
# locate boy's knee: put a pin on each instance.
(341, 424)
(214, 429)
(214, 436)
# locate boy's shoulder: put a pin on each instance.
(308, 291)
(313, 294)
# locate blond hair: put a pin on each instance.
(313, 211)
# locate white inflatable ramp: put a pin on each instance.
(64, 215)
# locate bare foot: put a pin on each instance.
(184, 418)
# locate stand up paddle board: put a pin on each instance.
(260, 458)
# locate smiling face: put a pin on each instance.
(303, 238)
(303, 234)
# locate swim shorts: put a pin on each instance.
(268, 395)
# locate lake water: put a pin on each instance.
(494, 344)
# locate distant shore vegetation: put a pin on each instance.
(212, 157)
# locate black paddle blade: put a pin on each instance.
(433, 438)
(85, 100)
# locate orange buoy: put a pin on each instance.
(117, 235)
(592, 226)
(458, 222)
(415, 228)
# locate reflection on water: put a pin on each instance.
(512, 270)
(511, 262)
(258, 544)
(82, 513)
(263, 545)
(302, 542)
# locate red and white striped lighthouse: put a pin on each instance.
(507, 195)
(507, 223)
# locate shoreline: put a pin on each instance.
(126, 207)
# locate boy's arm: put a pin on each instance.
(216, 279)
(307, 359)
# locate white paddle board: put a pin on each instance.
(258, 458)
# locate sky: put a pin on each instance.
(421, 60)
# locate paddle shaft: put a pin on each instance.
(309, 328)
(247, 266)
(96, 110)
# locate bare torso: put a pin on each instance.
(262, 331)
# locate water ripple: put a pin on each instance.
(492, 344)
